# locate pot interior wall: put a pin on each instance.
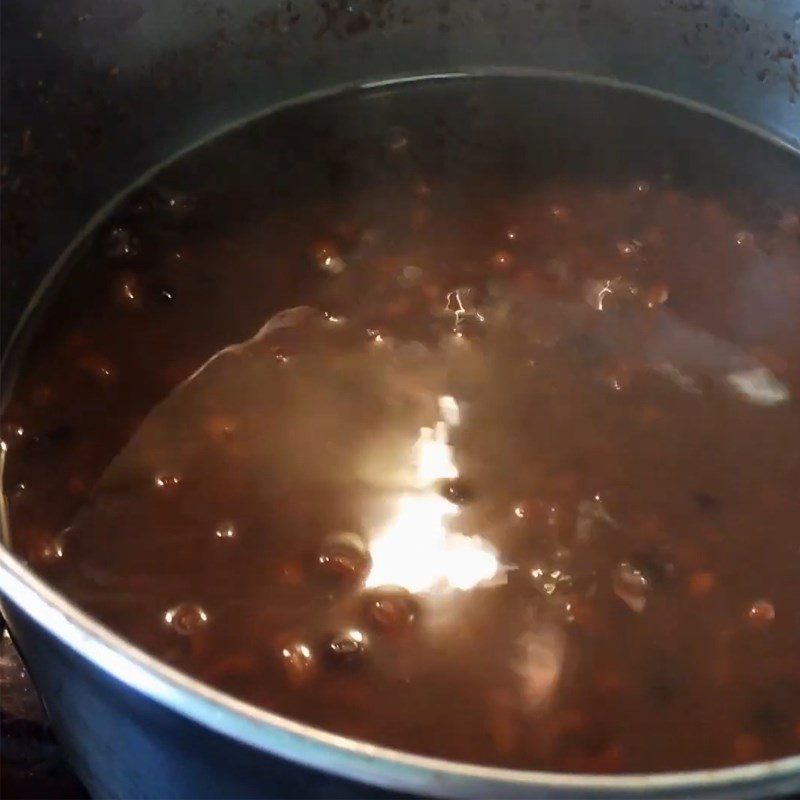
(96, 93)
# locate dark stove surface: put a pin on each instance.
(32, 764)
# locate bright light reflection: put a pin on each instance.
(540, 663)
(432, 455)
(415, 549)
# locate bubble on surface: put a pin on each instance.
(166, 481)
(391, 609)
(121, 243)
(333, 265)
(164, 293)
(46, 549)
(298, 663)
(656, 295)
(347, 648)
(101, 369)
(502, 260)
(173, 207)
(631, 586)
(629, 247)
(128, 291)
(760, 614)
(186, 618)
(344, 557)
(225, 530)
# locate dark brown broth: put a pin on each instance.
(545, 378)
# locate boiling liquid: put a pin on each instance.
(461, 417)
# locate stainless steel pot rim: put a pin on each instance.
(313, 747)
(349, 758)
(327, 751)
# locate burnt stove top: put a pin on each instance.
(32, 764)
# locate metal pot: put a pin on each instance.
(96, 92)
